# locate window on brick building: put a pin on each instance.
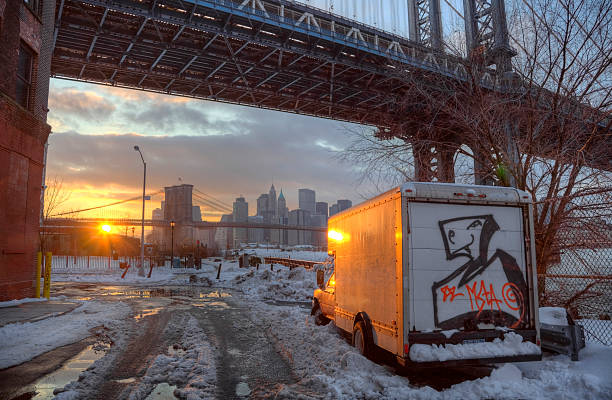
(24, 75)
(34, 5)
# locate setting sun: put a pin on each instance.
(106, 228)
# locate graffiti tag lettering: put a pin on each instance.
(449, 291)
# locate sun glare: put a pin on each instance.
(106, 228)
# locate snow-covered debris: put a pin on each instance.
(511, 345)
(297, 284)
(190, 365)
(20, 342)
(553, 316)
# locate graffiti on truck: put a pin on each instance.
(498, 303)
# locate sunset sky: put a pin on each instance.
(224, 150)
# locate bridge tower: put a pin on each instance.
(487, 41)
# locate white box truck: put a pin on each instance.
(435, 273)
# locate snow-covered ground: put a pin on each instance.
(320, 357)
(21, 342)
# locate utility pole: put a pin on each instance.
(144, 182)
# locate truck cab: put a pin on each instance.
(435, 273)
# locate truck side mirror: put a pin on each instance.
(320, 278)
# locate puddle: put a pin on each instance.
(301, 304)
(126, 380)
(162, 391)
(189, 293)
(242, 389)
(216, 293)
(84, 298)
(147, 312)
(45, 386)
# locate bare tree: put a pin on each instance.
(546, 128)
(55, 197)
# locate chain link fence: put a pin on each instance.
(580, 279)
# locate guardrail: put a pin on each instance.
(292, 263)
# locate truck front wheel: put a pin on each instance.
(319, 318)
(361, 341)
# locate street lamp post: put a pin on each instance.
(144, 181)
(172, 223)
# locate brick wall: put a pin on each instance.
(22, 139)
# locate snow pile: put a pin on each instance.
(325, 364)
(159, 275)
(12, 303)
(189, 365)
(553, 316)
(20, 342)
(297, 284)
(294, 254)
(511, 345)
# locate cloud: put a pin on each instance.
(223, 166)
(223, 149)
(193, 118)
(79, 105)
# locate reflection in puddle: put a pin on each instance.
(147, 312)
(126, 380)
(69, 372)
(216, 293)
(162, 391)
(219, 304)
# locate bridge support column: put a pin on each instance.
(434, 163)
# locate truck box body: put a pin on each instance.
(431, 263)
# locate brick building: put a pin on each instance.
(26, 38)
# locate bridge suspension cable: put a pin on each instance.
(105, 205)
(208, 203)
(213, 200)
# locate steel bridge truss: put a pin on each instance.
(272, 54)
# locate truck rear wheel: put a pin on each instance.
(361, 340)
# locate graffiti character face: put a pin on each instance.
(467, 236)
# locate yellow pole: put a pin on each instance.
(47, 287)
(38, 269)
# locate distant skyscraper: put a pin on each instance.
(302, 218)
(344, 205)
(306, 200)
(272, 201)
(256, 235)
(225, 236)
(240, 214)
(282, 210)
(321, 208)
(333, 209)
(262, 204)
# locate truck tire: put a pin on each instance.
(361, 341)
(319, 318)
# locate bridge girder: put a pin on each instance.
(223, 51)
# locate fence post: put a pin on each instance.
(87, 262)
(38, 271)
(66, 261)
(109, 261)
(47, 284)
(219, 271)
